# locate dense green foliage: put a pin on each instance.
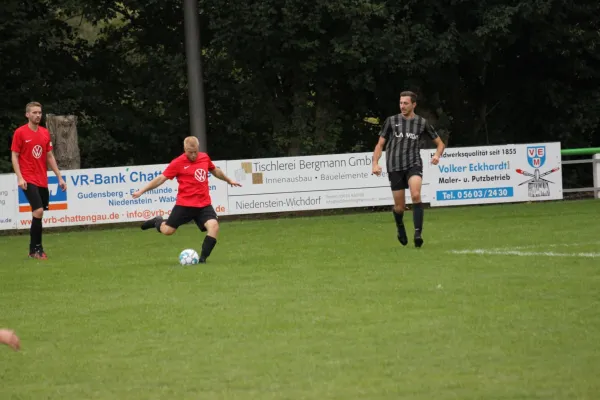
(295, 77)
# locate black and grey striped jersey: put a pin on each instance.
(402, 137)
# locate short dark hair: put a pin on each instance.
(406, 93)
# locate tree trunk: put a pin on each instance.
(63, 132)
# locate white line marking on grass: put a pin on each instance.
(535, 246)
(524, 253)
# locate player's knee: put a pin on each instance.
(167, 230)
(415, 197)
(38, 213)
(398, 208)
(212, 227)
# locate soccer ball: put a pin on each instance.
(188, 257)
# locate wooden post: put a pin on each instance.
(63, 132)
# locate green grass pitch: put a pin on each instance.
(502, 302)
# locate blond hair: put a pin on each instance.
(32, 104)
(191, 142)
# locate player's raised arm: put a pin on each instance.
(153, 184)
(218, 173)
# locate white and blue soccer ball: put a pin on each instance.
(188, 257)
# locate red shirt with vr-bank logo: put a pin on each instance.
(192, 177)
(33, 148)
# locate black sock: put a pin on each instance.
(152, 223)
(157, 223)
(418, 216)
(398, 217)
(35, 233)
(207, 247)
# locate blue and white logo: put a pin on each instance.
(536, 156)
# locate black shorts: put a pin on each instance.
(182, 215)
(399, 179)
(38, 197)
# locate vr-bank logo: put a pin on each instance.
(537, 186)
(58, 198)
(246, 169)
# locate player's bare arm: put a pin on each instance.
(54, 166)
(9, 338)
(17, 169)
(218, 173)
(153, 184)
(376, 169)
(439, 151)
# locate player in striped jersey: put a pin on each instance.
(400, 137)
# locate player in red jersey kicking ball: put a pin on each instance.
(193, 198)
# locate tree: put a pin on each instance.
(291, 77)
(38, 63)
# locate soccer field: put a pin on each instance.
(502, 302)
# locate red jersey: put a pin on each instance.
(192, 178)
(33, 147)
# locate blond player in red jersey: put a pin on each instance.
(31, 155)
(193, 198)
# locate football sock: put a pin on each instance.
(152, 223)
(400, 227)
(35, 234)
(158, 222)
(398, 217)
(207, 247)
(418, 220)
(418, 216)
